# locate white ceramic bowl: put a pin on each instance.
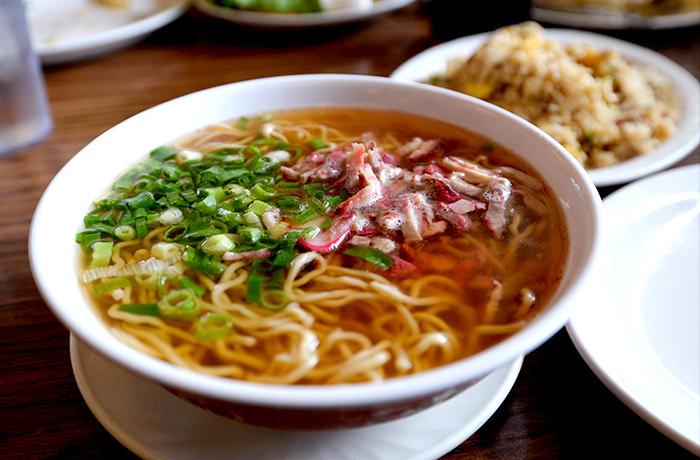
(53, 253)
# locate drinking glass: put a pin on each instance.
(25, 117)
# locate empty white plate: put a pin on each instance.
(640, 330)
(70, 30)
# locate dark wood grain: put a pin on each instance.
(557, 408)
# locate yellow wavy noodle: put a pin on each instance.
(341, 323)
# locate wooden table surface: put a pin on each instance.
(557, 408)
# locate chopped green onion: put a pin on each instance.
(101, 253)
(174, 233)
(217, 245)
(147, 281)
(276, 278)
(259, 207)
(240, 202)
(110, 285)
(255, 283)
(264, 141)
(306, 215)
(199, 235)
(87, 237)
(148, 309)
(252, 219)
(141, 226)
(213, 326)
(273, 299)
(109, 229)
(260, 193)
(372, 255)
(279, 229)
(317, 144)
(236, 190)
(326, 224)
(284, 257)
(203, 262)
(218, 193)
(207, 205)
(288, 185)
(262, 266)
(163, 153)
(163, 280)
(125, 232)
(290, 203)
(143, 200)
(124, 183)
(189, 195)
(181, 304)
(242, 123)
(314, 189)
(332, 201)
(250, 235)
(189, 284)
(254, 151)
(309, 232)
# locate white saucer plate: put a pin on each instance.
(434, 61)
(611, 20)
(640, 331)
(72, 30)
(154, 424)
(292, 21)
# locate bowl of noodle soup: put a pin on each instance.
(317, 251)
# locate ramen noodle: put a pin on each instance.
(322, 246)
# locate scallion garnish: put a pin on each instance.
(125, 232)
(148, 309)
(181, 304)
(188, 283)
(284, 185)
(203, 262)
(211, 203)
(372, 255)
(101, 253)
(110, 285)
(213, 326)
(254, 288)
(306, 215)
(273, 299)
(317, 144)
(163, 153)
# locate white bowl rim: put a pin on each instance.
(398, 389)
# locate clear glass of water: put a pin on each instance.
(25, 117)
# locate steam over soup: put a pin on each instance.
(323, 246)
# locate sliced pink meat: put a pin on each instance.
(333, 238)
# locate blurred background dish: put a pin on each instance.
(72, 30)
(435, 61)
(646, 350)
(259, 19)
(619, 14)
